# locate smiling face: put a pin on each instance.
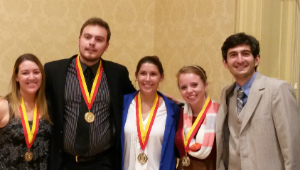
(192, 89)
(29, 78)
(241, 63)
(92, 44)
(148, 78)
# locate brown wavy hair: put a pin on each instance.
(14, 97)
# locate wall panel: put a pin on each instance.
(179, 32)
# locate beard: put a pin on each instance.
(89, 59)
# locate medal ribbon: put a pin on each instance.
(29, 134)
(88, 97)
(192, 132)
(144, 133)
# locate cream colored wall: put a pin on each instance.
(275, 24)
(50, 30)
(179, 32)
(192, 33)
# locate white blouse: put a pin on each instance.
(132, 147)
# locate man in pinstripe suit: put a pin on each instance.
(91, 140)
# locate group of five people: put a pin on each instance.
(94, 118)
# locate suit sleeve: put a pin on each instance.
(286, 118)
(47, 87)
(126, 84)
(52, 149)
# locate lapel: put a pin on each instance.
(256, 91)
(169, 124)
(223, 109)
(127, 101)
(59, 83)
(222, 132)
(109, 71)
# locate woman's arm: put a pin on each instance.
(4, 113)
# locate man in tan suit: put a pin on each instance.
(258, 123)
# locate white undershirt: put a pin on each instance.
(132, 146)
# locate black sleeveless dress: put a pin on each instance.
(13, 146)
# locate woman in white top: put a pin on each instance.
(149, 122)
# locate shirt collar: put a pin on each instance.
(246, 87)
(93, 67)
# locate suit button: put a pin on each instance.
(60, 132)
(60, 151)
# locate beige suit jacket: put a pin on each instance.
(270, 131)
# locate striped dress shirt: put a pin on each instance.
(101, 130)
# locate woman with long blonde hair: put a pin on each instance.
(24, 120)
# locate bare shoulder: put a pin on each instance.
(4, 112)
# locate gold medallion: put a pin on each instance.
(142, 158)
(185, 160)
(89, 117)
(28, 156)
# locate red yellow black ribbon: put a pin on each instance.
(88, 97)
(144, 133)
(29, 134)
(192, 132)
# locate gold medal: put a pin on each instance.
(89, 117)
(89, 97)
(28, 156)
(142, 158)
(29, 134)
(185, 160)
